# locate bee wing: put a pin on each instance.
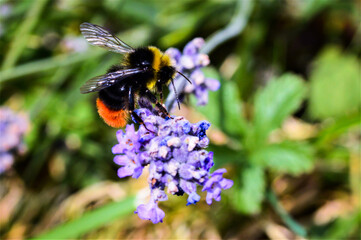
(98, 36)
(100, 82)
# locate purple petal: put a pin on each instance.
(159, 166)
(193, 46)
(125, 171)
(212, 84)
(146, 136)
(202, 96)
(120, 135)
(185, 171)
(172, 167)
(130, 131)
(202, 128)
(194, 158)
(182, 127)
(217, 194)
(199, 174)
(208, 163)
(143, 112)
(165, 129)
(202, 60)
(172, 187)
(203, 143)
(212, 180)
(190, 88)
(180, 154)
(174, 142)
(150, 211)
(209, 198)
(118, 149)
(159, 195)
(190, 49)
(174, 53)
(219, 171)
(121, 160)
(193, 198)
(198, 77)
(226, 183)
(137, 172)
(187, 62)
(187, 186)
(163, 152)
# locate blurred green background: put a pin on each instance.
(285, 123)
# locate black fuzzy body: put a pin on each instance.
(124, 94)
(116, 97)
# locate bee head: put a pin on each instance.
(165, 74)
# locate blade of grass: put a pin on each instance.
(92, 220)
(47, 64)
(339, 127)
(23, 32)
(140, 34)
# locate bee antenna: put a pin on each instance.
(184, 77)
(176, 94)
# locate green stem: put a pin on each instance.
(286, 218)
(234, 28)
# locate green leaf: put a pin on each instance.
(250, 190)
(91, 221)
(224, 155)
(280, 98)
(287, 157)
(224, 108)
(234, 121)
(335, 85)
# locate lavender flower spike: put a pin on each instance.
(13, 127)
(190, 63)
(177, 160)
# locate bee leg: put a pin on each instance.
(134, 114)
(160, 90)
(161, 97)
(140, 121)
(147, 93)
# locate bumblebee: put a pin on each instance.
(143, 72)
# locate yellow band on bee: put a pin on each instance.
(159, 60)
(157, 57)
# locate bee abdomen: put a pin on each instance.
(114, 118)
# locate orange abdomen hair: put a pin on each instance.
(114, 118)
